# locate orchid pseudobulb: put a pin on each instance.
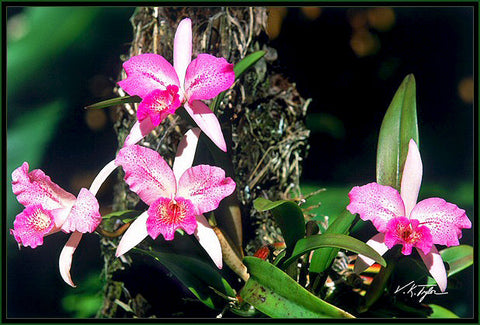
(49, 209)
(401, 220)
(164, 88)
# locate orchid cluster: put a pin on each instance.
(177, 197)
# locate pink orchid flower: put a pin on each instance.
(177, 198)
(164, 88)
(50, 209)
(401, 220)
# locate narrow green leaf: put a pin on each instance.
(334, 240)
(289, 218)
(441, 312)
(239, 69)
(398, 127)
(115, 101)
(323, 257)
(275, 294)
(125, 215)
(196, 275)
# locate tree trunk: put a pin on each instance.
(262, 118)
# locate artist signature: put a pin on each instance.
(418, 290)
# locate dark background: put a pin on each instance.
(350, 61)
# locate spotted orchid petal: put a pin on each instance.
(377, 203)
(147, 173)
(209, 240)
(434, 263)
(134, 235)
(146, 73)
(205, 186)
(182, 48)
(84, 215)
(377, 242)
(65, 260)
(31, 225)
(165, 216)
(185, 152)
(207, 76)
(159, 104)
(445, 220)
(139, 131)
(37, 188)
(207, 122)
(411, 177)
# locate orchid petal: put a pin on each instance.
(377, 203)
(37, 188)
(207, 76)
(65, 260)
(147, 173)
(32, 225)
(139, 131)
(134, 235)
(186, 152)
(165, 216)
(377, 242)
(102, 176)
(411, 177)
(205, 186)
(147, 72)
(182, 48)
(84, 215)
(209, 240)
(434, 263)
(445, 220)
(159, 104)
(207, 122)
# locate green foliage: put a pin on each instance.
(441, 312)
(334, 240)
(289, 218)
(198, 276)
(458, 258)
(398, 127)
(84, 301)
(115, 101)
(323, 257)
(275, 294)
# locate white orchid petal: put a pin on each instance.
(65, 260)
(102, 176)
(434, 263)
(377, 242)
(134, 235)
(182, 48)
(411, 178)
(186, 152)
(209, 240)
(139, 131)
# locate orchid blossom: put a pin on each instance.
(164, 88)
(50, 209)
(177, 198)
(401, 220)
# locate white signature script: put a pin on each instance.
(418, 290)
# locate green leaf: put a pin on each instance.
(289, 218)
(275, 294)
(323, 257)
(125, 215)
(196, 275)
(334, 240)
(115, 101)
(398, 127)
(239, 69)
(441, 312)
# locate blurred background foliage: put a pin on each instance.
(349, 61)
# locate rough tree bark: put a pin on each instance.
(262, 118)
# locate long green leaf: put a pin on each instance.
(323, 257)
(458, 258)
(289, 218)
(275, 294)
(334, 240)
(115, 101)
(398, 127)
(239, 69)
(196, 275)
